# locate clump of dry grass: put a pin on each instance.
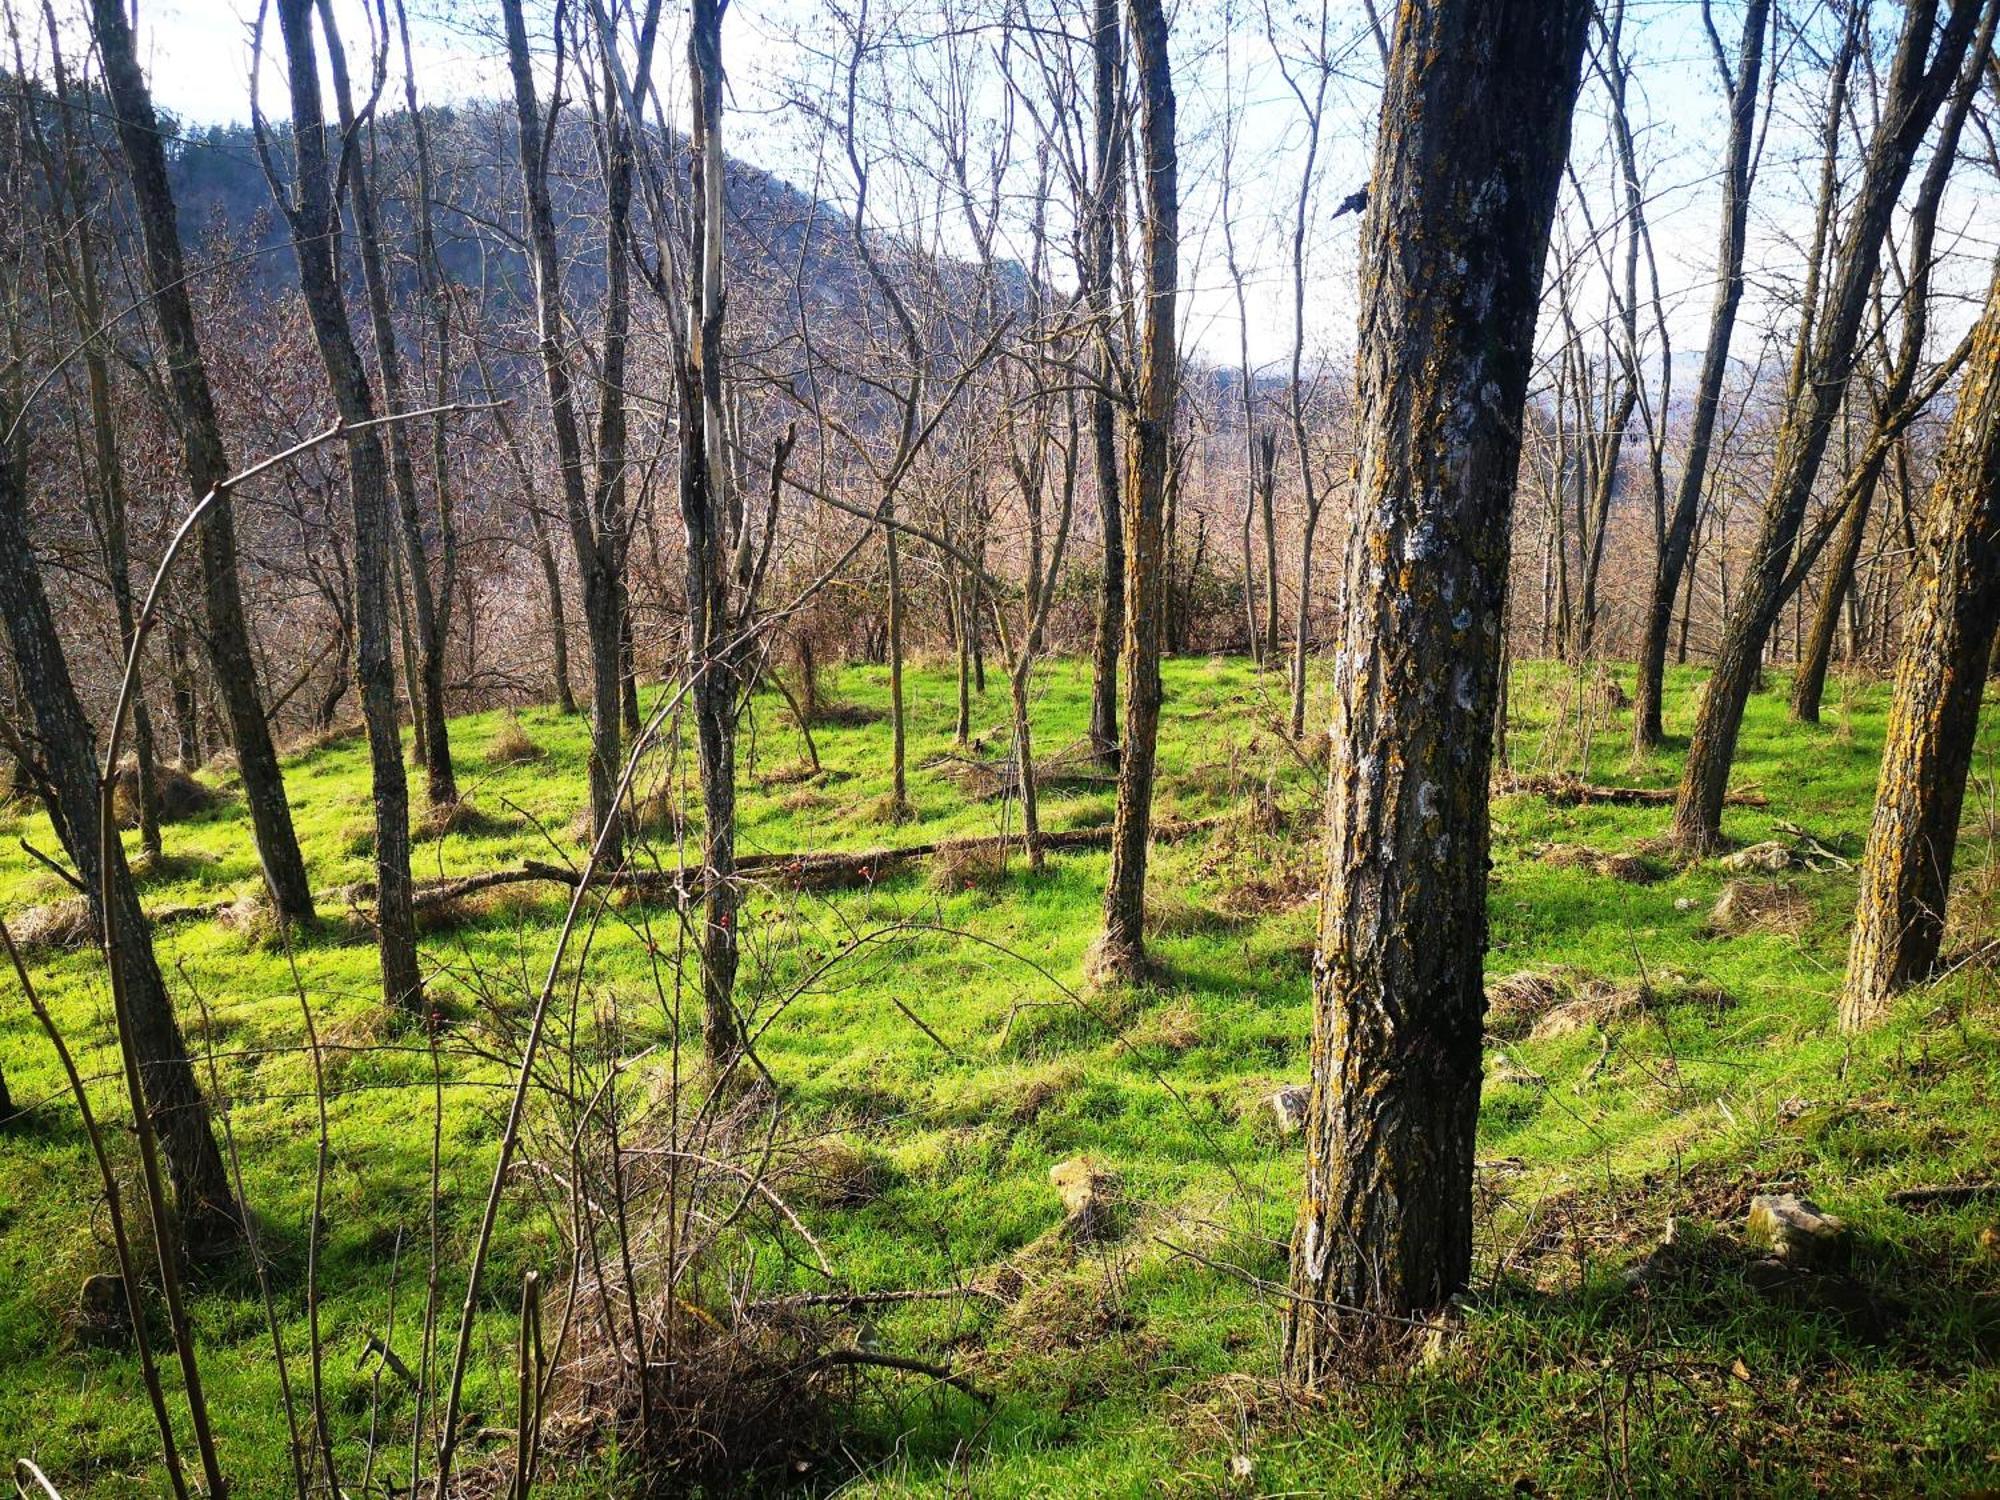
(511, 744)
(968, 867)
(462, 818)
(1175, 1027)
(1633, 869)
(1747, 906)
(180, 795)
(57, 926)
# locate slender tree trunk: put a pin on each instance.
(206, 1207)
(1927, 752)
(1824, 362)
(1120, 956)
(205, 466)
(545, 554)
(1267, 485)
(599, 596)
(714, 659)
(899, 791)
(1809, 687)
(1679, 535)
(181, 698)
(1108, 73)
(1456, 231)
(312, 216)
(426, 671)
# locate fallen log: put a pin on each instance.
(1567, 789)
(1948, 1195)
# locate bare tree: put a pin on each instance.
(1925, 66)
(1672, 543)
(595, 527)
(205, 1207)
(311, 214)
(1455, 234)
(205, 464)
(1120, 953)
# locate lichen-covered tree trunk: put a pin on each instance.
(1927, 750)
(205, 465)
(1919, 78)
(204, 1203)
(312, 218)
(1120, 955)
(1456, 230)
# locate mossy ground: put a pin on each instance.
(1134, 1367)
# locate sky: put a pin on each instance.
(1234, 103)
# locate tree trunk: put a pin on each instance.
(1120, 955)
(1456, 231)
(1108, 70)
(599, 595)
(1679, 535)
(181, 693)
(1809, 686)
(312, 217)
(714, 660)
(427, 706)
(545, 554)
(1823, 363)
(205, 466)
(1927, 752)
(1267, 485)
(206, 1207)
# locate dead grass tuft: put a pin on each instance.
(511, 745)
(1750, 906)
(180, 795)
(55, 927)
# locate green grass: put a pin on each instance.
(1131, 1368)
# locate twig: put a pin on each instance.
(1944, 1195)
(942, 1373)
(75, 882)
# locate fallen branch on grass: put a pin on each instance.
(1949, 1195)
(1564, 788)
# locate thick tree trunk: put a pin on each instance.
(1927, 751)
(206, 1207)
(1120, 955)
(1456, 231)
(205, 465)
(1107, 71)
(1679, 534)
(312, 216)
(1824, 361)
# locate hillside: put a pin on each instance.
(930, 1060)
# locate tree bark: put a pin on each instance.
(1453, 245)
(1120, 954)
(715, 661)
(313, 223)
(1678, 538)
(599, 593)
(205, 1206)
(1822, 367)
(433, 734)
(1933, 717)
(205, 465)
(1108, 82)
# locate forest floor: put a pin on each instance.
(1653, 1068)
